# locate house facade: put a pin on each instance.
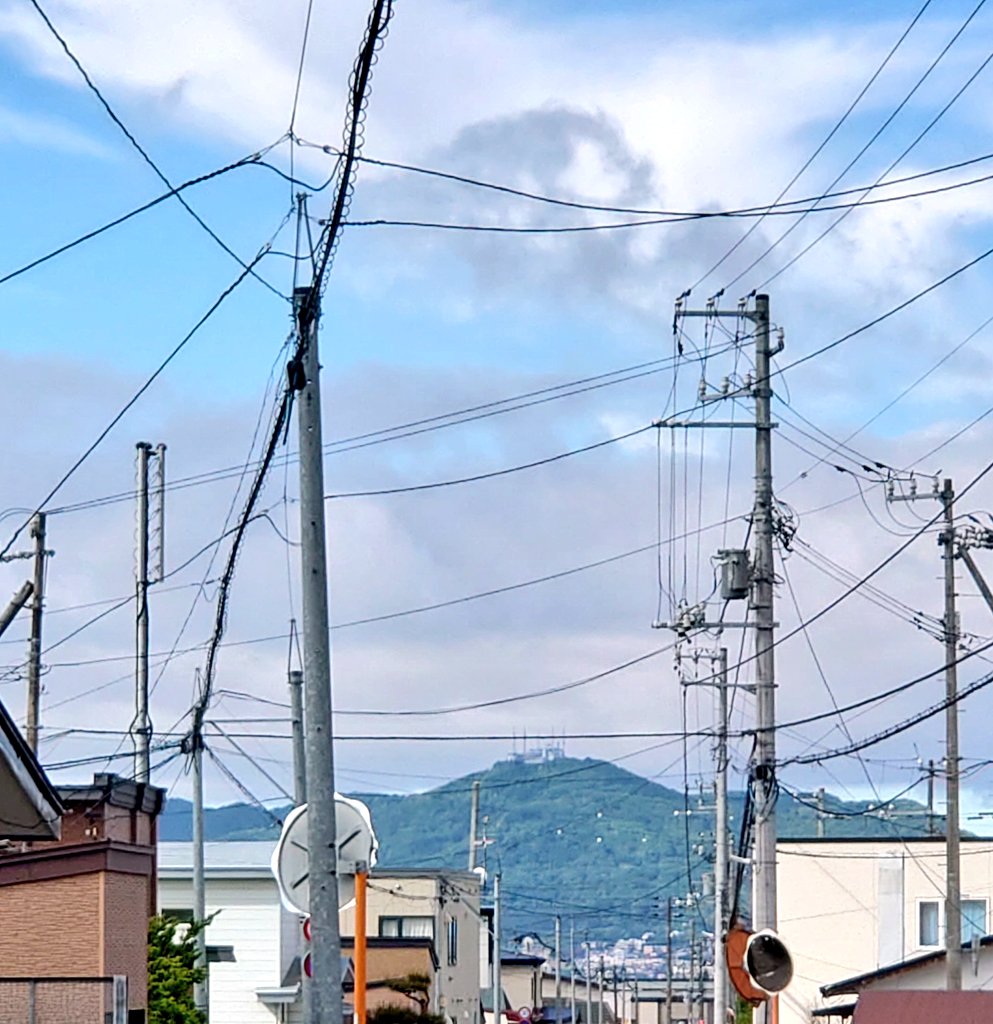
(423, 921)
(848, 907)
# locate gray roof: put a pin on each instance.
(248, 859)
(240, 859)
(851, 986)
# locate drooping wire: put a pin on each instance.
(249, 268)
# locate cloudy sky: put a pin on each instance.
(645, 106)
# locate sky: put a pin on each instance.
(645, 106)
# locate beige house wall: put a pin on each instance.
(443, 898)
(846, 908)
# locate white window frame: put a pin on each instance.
(940, 903)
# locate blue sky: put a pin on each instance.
(644, 105)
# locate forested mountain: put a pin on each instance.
(582, 838)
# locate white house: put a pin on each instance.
(434, 911)
(848, 907)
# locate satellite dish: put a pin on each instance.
(355, 841)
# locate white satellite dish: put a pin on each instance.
(356, 844)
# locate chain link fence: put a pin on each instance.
(64, 1000)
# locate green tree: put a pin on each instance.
(398, 1015)
(173, 970)
(416, 986)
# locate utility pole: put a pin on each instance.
(754, 580)
(930, 797)
(200, 990)
(820, 812)
(692, 992)
(326, 990)
(764, 766)
(721, 839)
(18, 601)
(497, 976)
(473, 824)
(668, 961)
(953, 897)
(616, 1015)
(34, 644)
(295, 680)
(572, 971)
(141, 728)
(589, 989)
(951, 548)
(558, 968)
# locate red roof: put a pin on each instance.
(924, 1007)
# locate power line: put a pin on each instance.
(827, 138)
(254, 158)
(247, 267)
(578, 229)
(920, 81)
(434, 485)
(411, 428)
(758, 210)
(135, 397)
(941, 113)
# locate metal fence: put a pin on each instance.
(64, 1000)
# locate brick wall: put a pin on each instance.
(125, 932)
(51, 927)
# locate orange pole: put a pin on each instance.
(775, 1010)
(361, 877)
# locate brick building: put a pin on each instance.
(79, 907)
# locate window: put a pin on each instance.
(453, 941)
(928, 923)
(406, 928)
(973, 919)
(931, 926)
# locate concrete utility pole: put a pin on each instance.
(558, 968)
(953, 889)
(764, 766)
(668, 961)
(954, 544)
(692, 991)
(758, 586)
(721, 838)
(200, 991)
(295, 680)
(930, 797)
(17, 602)
(473, 824)
(589, 988)
(497, 976)
(572, 971)
(142, 729)
(34, 644)
(326, 992)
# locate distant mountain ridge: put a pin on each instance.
(582, 838)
